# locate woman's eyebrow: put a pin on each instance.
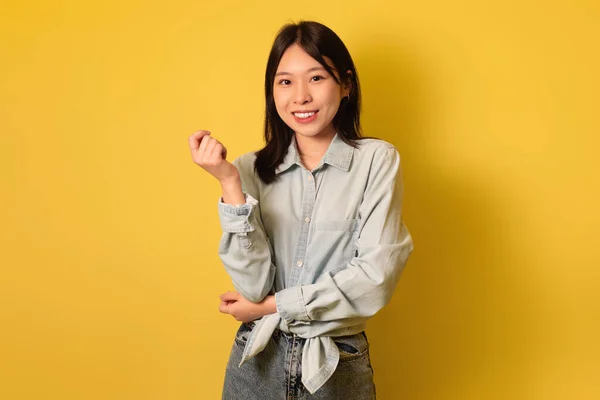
(309, 70)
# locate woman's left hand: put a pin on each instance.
(243, 310)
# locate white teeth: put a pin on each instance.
(304, 115)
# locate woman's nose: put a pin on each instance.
(302, 94)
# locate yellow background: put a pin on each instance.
(109, 270)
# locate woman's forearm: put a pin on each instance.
(232, 192)
(269, 305)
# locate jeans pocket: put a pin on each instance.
(352, 347)
(243, 333)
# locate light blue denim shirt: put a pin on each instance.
(330, 243)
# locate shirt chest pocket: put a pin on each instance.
(334, 242)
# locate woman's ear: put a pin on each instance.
(348, 83)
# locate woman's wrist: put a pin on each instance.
(269, 305)
(231, 180)
(232, 191)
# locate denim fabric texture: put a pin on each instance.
(329, 243)
(275, 373)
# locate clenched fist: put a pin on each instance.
(211, 155)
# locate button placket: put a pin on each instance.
(308, 203)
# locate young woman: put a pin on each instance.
(313, 236)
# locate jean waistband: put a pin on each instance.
(278, 332)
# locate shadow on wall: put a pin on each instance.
(448, 332)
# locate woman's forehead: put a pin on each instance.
(297, 61)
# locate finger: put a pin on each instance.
(209, 149)
(217, 152)
(196, 138)
(230, 296)
(234, 310)
(224, 152)
(224, 307)
(227, 296)
(202, 148)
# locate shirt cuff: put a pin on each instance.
(290, 305)
(236, 219)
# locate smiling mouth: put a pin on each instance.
(304, 115)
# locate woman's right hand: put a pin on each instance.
(211, 155)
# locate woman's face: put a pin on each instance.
(307, 98)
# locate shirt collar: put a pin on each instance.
(339, 154)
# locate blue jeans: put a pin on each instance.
(276, 372)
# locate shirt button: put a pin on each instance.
(310, 178)
(307, 220)
(299, 263)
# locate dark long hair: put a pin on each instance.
(318, 41)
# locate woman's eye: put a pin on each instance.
(317, 78)
(284, 82)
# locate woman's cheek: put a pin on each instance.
(280, 111)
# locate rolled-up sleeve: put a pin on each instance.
(384, 244)
(244, 248)
(236, 219)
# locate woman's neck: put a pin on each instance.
(314, 147)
